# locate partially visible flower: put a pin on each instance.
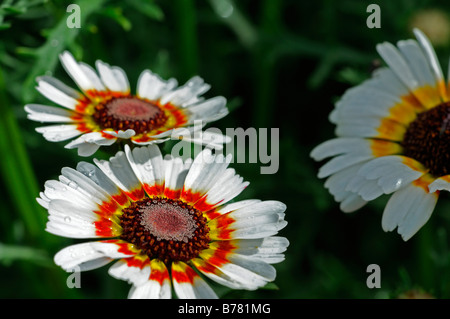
(393, 138)
(415, 294)
(106, 110)
(165, 221)
(434, 23)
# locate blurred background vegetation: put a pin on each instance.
(280, 64)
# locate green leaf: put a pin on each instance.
(5, 26)
(11, 253)
(58, 39)
(16, 168)
(148, 8)
(117, 15)
(271, 286)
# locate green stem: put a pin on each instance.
(21, 185)
(425, 262)
(185, 22)
(265, 72)
(17, 170)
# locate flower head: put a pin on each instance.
(165, 220)
(393, 137)
(106, 110)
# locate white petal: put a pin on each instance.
(367, 189)
(198, 290)
(175, 172)
(57, 84)
(60, 190)
(71, 220)
(87, 149)
(98, 177)
(58, 94)
(339, 181)
(370, 127)
(152, 87)
(76, 72)
(95, 81)
(408, 209)
(147, 163)
(417, 61)
(340, 163)
(440, 183)
(212, 140)
(87, 144)
(119, 171)
(150, 142)
(391, 172)
(57, 133)
(121, 134)
(151, 290)
(267, 249)
(44, 113)
(337, 185)
(204, 171)
(43, 200)
(243, 272)
(385, 79)
(87, 256)
(192, 286)
(397, 63)
(228, 186)
(208, 108)
(260, 208)
(85, 185)
(91, 138)
(366, 101)
(259, 220)
(157, 284)
(433, 60)
(134, 275)
(340, 145)
(237, 205)
(113, 77)
(352, 202)
(186, 93)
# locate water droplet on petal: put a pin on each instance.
(67, 219)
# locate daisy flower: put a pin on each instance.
(167, 223)
(106, 110)
(393, 137)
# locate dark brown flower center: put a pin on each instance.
(427, 139)
(124, 113)
(166, 229)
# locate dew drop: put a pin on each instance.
(67, 219)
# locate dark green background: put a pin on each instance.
(280, 64)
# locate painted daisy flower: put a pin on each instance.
(165, 221)
(107, 110)
(393, 137)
